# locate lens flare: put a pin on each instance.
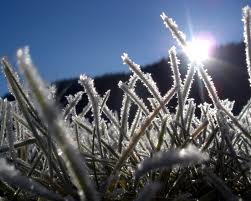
(198, 49)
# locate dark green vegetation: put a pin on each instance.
(154, 148)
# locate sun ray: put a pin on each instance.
(198, 49)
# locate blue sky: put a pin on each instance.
(68, 38)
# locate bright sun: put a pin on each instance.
(198, 49)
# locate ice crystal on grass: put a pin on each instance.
(88, 85)
(7, 169)
(10, 132)
(146, 78)
(72, 102)
(176, 33)
(247, 37)
(57, 127)
(15, 74)
(174, 62)
(126, 102)
(125, 109)
(11, 176)
(24, 62)
(133, 96)
(209, 85)
(60, 153)
(52, 91)
(111, 116)
(94, 98)
(183, 157)
(189, 78)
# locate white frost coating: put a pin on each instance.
(23, 56)
(189, 77)
(27, 66)
(111, 116)
(174, 61)
(83, 77)
(228, 105)
(163, 16)
(7, 169)
(19, 53)
(52, 90)
(133, 96)
(145, 78)
(94, 98)
(192, 151)
(126, 102)
(88, 84)
(209, 84)
(176, 33)
(176, 75)
(72, 102)
(67, 131)
(15, 74)
(124, 58)
(247, 37)
(90, 89)
(207, 108)
(60, 152)
(155, 91)
(183, 157)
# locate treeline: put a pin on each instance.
(227, 67)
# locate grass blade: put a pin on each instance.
(72, 157)
(141, 132)
(183, 157)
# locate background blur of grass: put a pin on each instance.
(98, 154)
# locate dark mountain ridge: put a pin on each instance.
(227, 67)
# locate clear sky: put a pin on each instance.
(70, 37)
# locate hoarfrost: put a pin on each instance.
(6, 168)
(247, 37)
(183, 157)
(145, 78)
(176, 33)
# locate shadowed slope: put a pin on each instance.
(227, 68)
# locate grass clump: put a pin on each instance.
(48, 154)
